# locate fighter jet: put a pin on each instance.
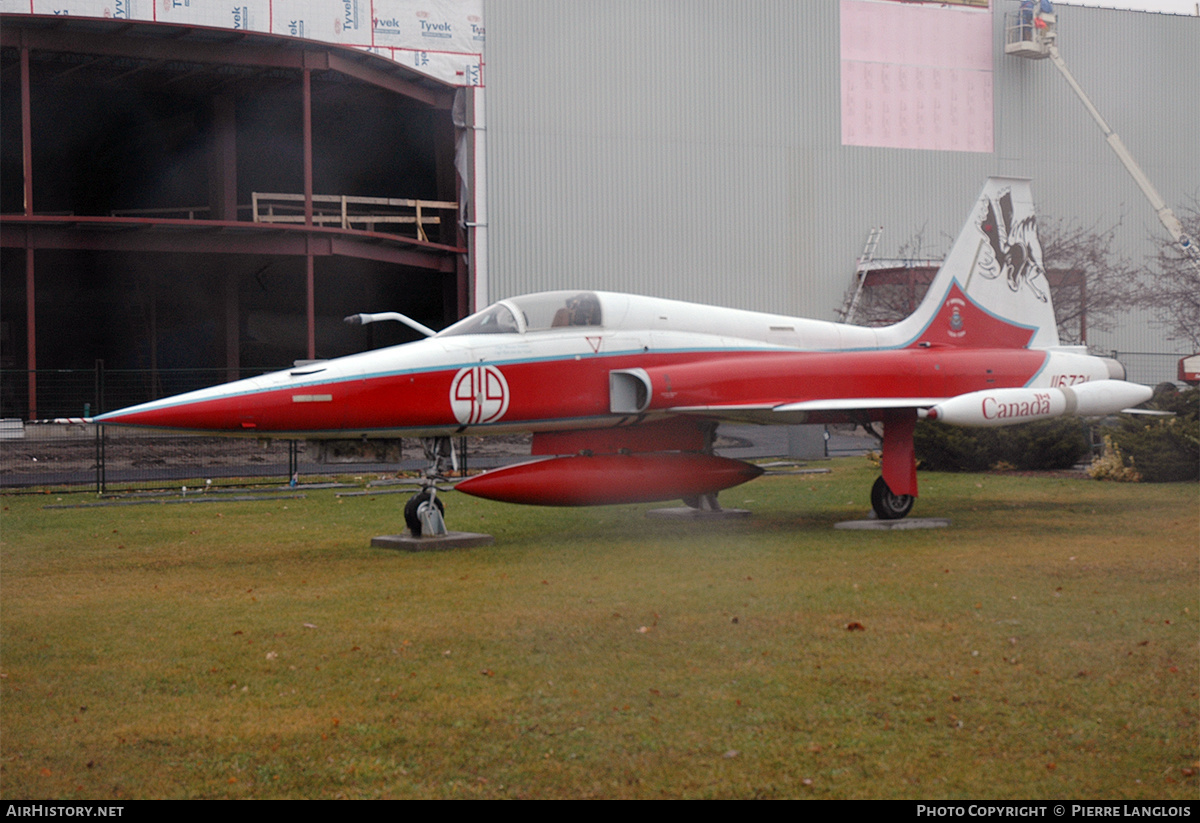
(623, 393)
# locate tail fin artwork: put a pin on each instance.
(992, 289)
(991, 301)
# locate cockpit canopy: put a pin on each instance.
(532, 313)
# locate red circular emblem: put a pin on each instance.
(479, 394)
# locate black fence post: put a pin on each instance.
(100, 478)
(98, 388)
(98, 399)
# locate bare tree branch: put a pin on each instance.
(1092, 286)
(1174, 290)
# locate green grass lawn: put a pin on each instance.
(1044, 646)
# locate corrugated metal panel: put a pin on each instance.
(692, 148)
(1142, 71)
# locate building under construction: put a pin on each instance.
(178, 198)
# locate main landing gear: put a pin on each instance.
(899, 466)
(889, 506)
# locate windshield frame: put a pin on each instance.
(487, 321)
(534, 313)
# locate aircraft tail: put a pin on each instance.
(992, 289)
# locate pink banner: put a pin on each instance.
(916, 76)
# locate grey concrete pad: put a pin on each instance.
(895, 525)
(441, 542)
(688, 513)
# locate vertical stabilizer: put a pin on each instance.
(992, 290)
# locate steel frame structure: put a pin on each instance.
(145, 47)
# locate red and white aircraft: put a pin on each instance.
(623, 393)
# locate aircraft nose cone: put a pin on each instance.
(217, 409)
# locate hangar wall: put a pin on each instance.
(693, 149)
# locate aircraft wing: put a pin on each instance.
(984, 408)
(861, 404)
(809, 411)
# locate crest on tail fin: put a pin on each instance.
(1016, 253)
(992, 288)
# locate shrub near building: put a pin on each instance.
(1042, 446)
(1162, 449)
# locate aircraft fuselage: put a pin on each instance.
(560, 380)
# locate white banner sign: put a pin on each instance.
(439, 38)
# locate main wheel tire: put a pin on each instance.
(412, 510)
(889, 506)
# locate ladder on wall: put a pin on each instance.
(860, 271)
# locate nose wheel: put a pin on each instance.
(889, 506)
(424, 514)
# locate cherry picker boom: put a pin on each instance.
(1035, 38)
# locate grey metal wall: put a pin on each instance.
(692, 148)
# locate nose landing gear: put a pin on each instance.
(424, 513)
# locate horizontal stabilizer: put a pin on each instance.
(1149, 412)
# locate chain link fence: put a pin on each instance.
(57, 446)
(1149, 368)
(76, 454)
